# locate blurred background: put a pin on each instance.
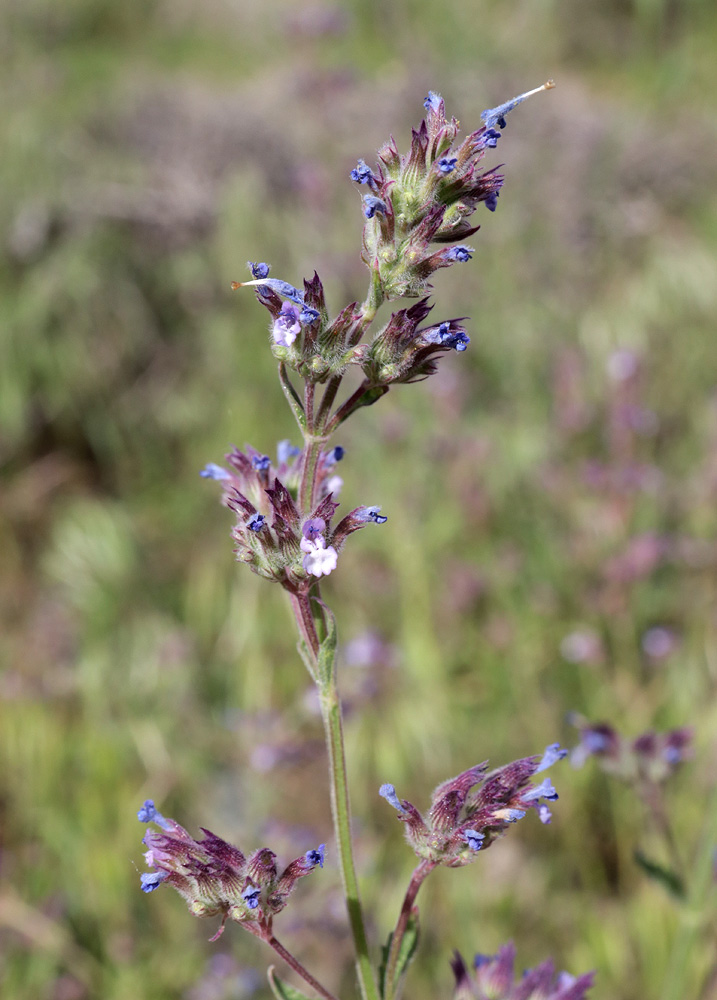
(551, 493)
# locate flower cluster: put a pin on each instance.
(493, 978)
(215, 878)
(271, 534)
(465, 819)
(428, 196)
(414, 201)
(650, 757)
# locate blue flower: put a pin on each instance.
(496, 116)
(282, 288)
(152, 880)
(388, 792)
(544, 790)
(260, 462)
(212, 471)
(474, 839)
(150, 814)
(460, 253)
(432, 102)
(363, 174)
(285, 451)
(335, 455)
(307, 316)
(313, 858)
(490, 138)
(258, 270)
(371, 205)
(552, 755)
(491, 201)
(447, 163)
(256, 523)
(251, 896)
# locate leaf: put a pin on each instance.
(282, 990)
(405, 955)
(669, 879)
(327, 649)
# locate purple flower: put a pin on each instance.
(493, 976)
(474, 839)
(150, 881)
(251, 896)
(460, 253)
(256, 523)
(371, 205)
(552, 755)
(335, 455)
(363, 174)
(282, 288)
(285, 451)
(307, 316)
(212, 471)
(150, 814)
(258, 270)
(388, 792)
(447, 335)
(490, 138)
(496, 116)
(314, 529)
(491, 201)
(287, 325)
(447, 164)
(433, 102)
(260, 462)
(314, 858)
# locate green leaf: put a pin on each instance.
(669, 879)
(405, 955)
(282, 990)
(327, 649)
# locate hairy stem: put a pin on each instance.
(340, 808)
(298, 968)
(419, 874)
(347, 406)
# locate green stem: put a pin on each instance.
(419, 874)
(298, 968)
(691, 915)
(292, 397)
(340, 808)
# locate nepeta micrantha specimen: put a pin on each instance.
(417, 210)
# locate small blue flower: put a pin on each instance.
(496, 116)
(371, 205)
(552, 755)
(256, 523)
(446, 164)
(258, 270)
(459, 253)
(447, 336)
(474, 839)
(544, 790)
(388, 792)
(251, 896)
(490, 138)
(212, 471)
(491, 201)
(544, 814)
(307, 316)
(313, 858)
(285, 451)
(152, 880)
(260, 462)
(335, 455)
(150, 814)
(512, 815)
(432, 102)
(282, 288)
(363, 174)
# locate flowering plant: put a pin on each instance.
(417, 210)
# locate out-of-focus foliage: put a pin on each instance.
(551, 493)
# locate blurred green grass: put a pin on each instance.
(150, 149)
